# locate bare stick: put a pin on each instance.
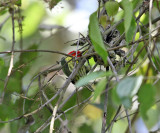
(36, 50)
(99, 4)
(53, 119)
(114, 119)
(12, 57)
(150, 22)
(105, 111)
(129, 122)
(113, 69)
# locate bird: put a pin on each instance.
(68, 65)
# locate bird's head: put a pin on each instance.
(74, 53)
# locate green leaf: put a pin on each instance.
(128, 12)
(18, 3)
(33, 17)
(110, 112)
(136, 3)
(128, 19)
(3, 11)
(127, 88)
(96, 38)
(91, 61)
(111, 7)
(146, 98)
(131, 31)
(116, 100)
(91, 76)
(99, 88)
(152, 117)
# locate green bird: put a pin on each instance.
(68, 66)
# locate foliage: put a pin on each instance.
(96, 38)
(120, 55)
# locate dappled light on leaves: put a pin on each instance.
(103, 78)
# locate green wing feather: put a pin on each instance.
(65, 67)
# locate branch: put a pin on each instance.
(47, 123)
(35, 50)
(129, 122)
(104, 119)
(12, 56)
(114, 119)
(53, 119)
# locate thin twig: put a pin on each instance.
(114, 119)
(43, 72)
(129, 122)
(12, 57)
(99, 3)
(113, 69)
(150, 21)
(135, 59)
(53, 119)
(43, 95)
(153, 21)
(35, 50)
(17, 118)
(47, 123)
(113, 27)
(22, 96)
(133, 119)
(104, 119)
